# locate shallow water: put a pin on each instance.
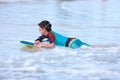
(93, 21)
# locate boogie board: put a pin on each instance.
(27, 43)
(29, 46)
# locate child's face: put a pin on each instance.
(42, 31)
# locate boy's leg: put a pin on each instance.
(76, 43)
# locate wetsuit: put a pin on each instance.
(61, 40)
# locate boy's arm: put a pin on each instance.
(40, 38)
(51, 45)
(51, 38)
(39, 44)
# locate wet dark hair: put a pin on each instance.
(45, 24)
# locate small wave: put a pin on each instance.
(79, 7)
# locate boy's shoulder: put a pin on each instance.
(51, 34)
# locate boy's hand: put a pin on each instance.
(37, 44)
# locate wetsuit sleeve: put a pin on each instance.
(51, 37)
(40, 38)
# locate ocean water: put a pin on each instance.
(96, 22)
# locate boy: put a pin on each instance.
(54, 38)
